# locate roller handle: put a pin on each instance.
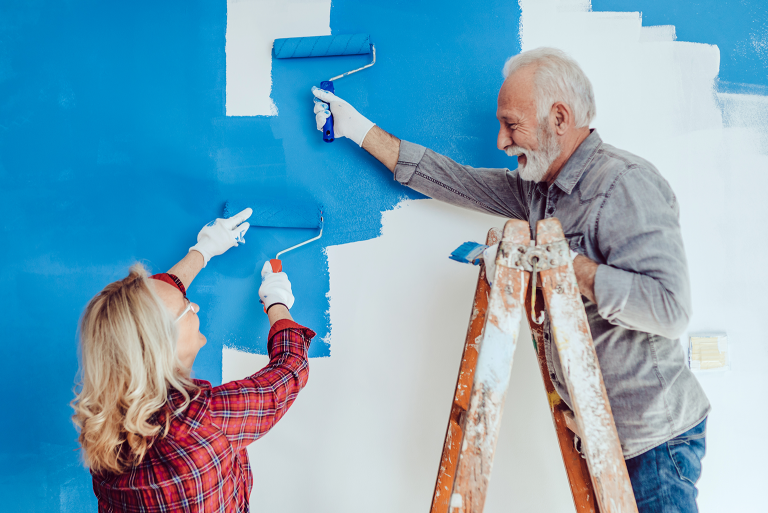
(277, 267)
(328, 136)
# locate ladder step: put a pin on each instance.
(570, 422)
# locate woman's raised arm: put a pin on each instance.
(214, 239)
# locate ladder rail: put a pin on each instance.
(482, 420)
(578, 358)
(576, 469)
(455, 431)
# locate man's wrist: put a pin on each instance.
(365, 132)
(585, 269)
(382, 145)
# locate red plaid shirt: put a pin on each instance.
(201, 465)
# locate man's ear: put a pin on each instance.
(563, 117)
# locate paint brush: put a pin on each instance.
(469, 253)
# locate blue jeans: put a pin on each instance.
(664, 478)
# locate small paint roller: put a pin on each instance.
(325, 46)
(282, 214)
(277, 264)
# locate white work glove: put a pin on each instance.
(221, 234)
(489, 257)
(347, 122)
(275, 288)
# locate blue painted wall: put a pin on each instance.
(114, 147)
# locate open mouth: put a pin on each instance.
(522, 160)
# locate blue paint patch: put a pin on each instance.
(114, 147)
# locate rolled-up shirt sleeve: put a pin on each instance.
(643, 284)
(246, 409)
(494, 191)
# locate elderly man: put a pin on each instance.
(621, 217)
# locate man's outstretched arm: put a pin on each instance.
(493, 191)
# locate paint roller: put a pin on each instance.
(285, 214)
(326, 46)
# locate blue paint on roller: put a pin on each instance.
(321, 46)
(324, 46)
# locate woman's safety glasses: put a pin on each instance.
(190, 307)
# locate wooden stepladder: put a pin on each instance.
(599, 480)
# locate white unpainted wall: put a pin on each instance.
(367, 431)
(252, 26)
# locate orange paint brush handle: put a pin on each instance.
(277, 265)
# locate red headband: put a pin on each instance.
(170, 279)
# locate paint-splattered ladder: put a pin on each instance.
(600, 482)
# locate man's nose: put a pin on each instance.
(503, 140)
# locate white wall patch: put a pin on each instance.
(252, 26)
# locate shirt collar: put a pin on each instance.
(574, 168)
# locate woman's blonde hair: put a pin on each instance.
(128, 366)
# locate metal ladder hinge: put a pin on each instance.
(523, 257)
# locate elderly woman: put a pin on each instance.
(154, 438)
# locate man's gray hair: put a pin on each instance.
(558, 78)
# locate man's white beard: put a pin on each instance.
(537, 162)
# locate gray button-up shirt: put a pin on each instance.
(618, 210)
